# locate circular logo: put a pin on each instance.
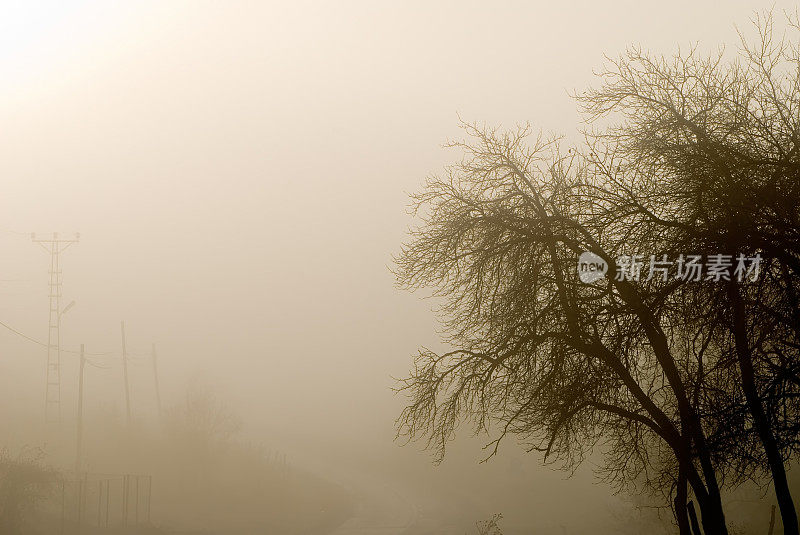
(591, 267)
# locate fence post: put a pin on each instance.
(63, 499)
(99, 500)
(108, 489)
(136, 516)
(78, 497)
(149, 493)
(85, 498)
(125, 500)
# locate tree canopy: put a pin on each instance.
(690, 383)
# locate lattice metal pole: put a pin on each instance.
(54, 246)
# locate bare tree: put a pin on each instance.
(561, 364)
(711, 155)
(692, 383)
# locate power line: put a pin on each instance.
(43, 344)
(25, 336)
(10, 231)
(38, 342)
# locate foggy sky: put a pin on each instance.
(239, 173)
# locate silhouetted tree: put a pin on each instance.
(711, 155)
(685, 381)
(559, 363)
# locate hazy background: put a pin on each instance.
(239, 172)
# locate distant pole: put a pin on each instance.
(63, 501)
(79, 448)
(108, 491)
(99, 501)
(85, 498)
(136, 516)
(155, 376)
(79, 483)
(125, 500)
(150, 493)
(54, 246)
(125, 373)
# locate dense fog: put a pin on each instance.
(239, 174)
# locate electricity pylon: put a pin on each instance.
(55, 246)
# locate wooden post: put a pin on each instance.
(155, 377)
(79, 484)
(99, 501)
(125, 500)
(63, 499)
(125, 374)
(108, 489)
(136, 516)
(85, 498)
(149, 494)
(79, 446)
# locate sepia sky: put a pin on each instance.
(239, 173)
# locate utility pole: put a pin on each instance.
(54, 246)
(155, 376)
(79, 449)
(125, 373)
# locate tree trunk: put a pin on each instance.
(760, 420)
(709, 499)
(713, 515)
(711, 507)
(681, 515)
